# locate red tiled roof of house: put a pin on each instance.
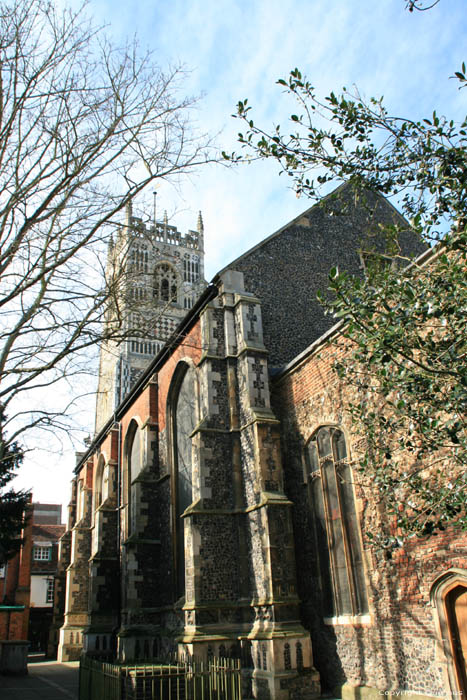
(47, 533)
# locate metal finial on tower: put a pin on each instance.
(200, 223)
(155, 197)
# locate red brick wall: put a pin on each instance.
(189, 349)
(151, 404)
(14, 625)
(398, 648)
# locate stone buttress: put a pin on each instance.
(77, 573)
(240, 578)
(64, 557)
(103, 602)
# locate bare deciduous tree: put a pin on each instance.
(84, 127)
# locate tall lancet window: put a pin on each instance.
(98, 492)
(336, 524)
(133, 468)
(99, 483)
(183, 420)
(165, 284)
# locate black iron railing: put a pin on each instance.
(216, 679)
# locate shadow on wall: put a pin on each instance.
(394, 648)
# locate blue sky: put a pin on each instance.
(237, 49)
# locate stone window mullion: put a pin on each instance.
(329, 534)
(344, 535)
(336, 523)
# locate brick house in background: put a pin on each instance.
(28, 579)
(15, 580)
(216, 512)
(46, 532)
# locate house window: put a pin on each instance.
(42, 553)
(337, 533)
(49, 596)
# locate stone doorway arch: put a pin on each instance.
(449, 597)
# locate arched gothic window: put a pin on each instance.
(99, 483)
(81, 501)
(183, 420)
(99, 497)
(133, 468)
(336, 525)
(165, 284)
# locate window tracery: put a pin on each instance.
(191, 268)
(133, 468)
(139, 258)
(336, 525)
(165, 284)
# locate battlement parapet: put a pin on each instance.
(162, 232)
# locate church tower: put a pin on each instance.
(158, 274)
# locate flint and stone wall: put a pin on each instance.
(77, 573)
(286, 270)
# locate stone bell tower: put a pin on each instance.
(158, 274)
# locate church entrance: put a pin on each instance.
(456, 609)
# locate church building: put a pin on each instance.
(215, 512)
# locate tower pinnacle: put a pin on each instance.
(129, 211)
(200, 225)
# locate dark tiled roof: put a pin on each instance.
(47, 533)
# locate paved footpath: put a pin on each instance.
(46, 680)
